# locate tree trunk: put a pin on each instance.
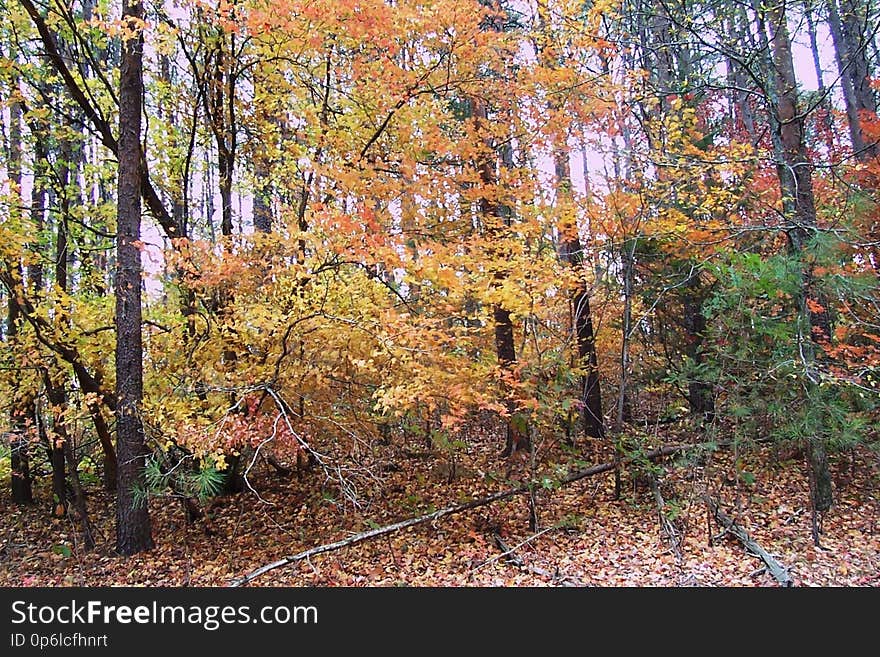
(572, 254)
(133, 530)
(220, 110)
(741, 110)
(55, 388)
(849, 51)
(628, 256)
(225, 166)
(856, 22)
(22, 490)
(79, 498)
(494, 216)
(57, 439)
(827, 126)
(18, 442)
(795, 178)
(822, 486)
(233, 479)
(262, 209)
(263, 187)
(700, 398)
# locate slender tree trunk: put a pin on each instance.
(571, 251)
(22, 492)
(57, 439)
(628, 256)
(572, 254)
(55, 388)
(133, 530)
(19, 448)
(263, 187)
(262, 208)
(106, 439)
(79, 498)
(854, 76)
(225, 169)
(827, 125)
(220, 110)
(700, 398)
(60, 446)
(38, 217)
(494, 217)
(856, 23)
(795, 177)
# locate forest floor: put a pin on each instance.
(585, 537)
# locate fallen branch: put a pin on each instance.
(508, 554)
(666, 524)
(779, 572)
(448, 511)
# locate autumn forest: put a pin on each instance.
(439, 292)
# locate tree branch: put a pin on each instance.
(448, 511)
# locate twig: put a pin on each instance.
(507, 552)
(667, 526)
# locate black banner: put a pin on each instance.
(113, 619)
(101, 620)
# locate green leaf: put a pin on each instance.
(63, 550)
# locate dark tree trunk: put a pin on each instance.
(856, 24)
(133, 530)
(110, 463)
(55, 389)
(262, 211)
(700, 398)
(262, 191)
(79, 498)
(18, 440)
(38, 217)
(594, 423)
(827, 125)
(22, 490)
(572, 254)
(220, 109)
(57, 440)
(822, 489)
(849, 51)
(225, 165)
(627, 254)
(60, 447)
(233, 479)
(795, 178)
(494, 217)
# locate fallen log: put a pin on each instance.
(448, 511)
(779, 572)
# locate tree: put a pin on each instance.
(849, 22)
(20, 409)
(133, 530)
(795, 179)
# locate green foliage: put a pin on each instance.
(183, 479)
(774, 382)
(63, 550)
(87, 470)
